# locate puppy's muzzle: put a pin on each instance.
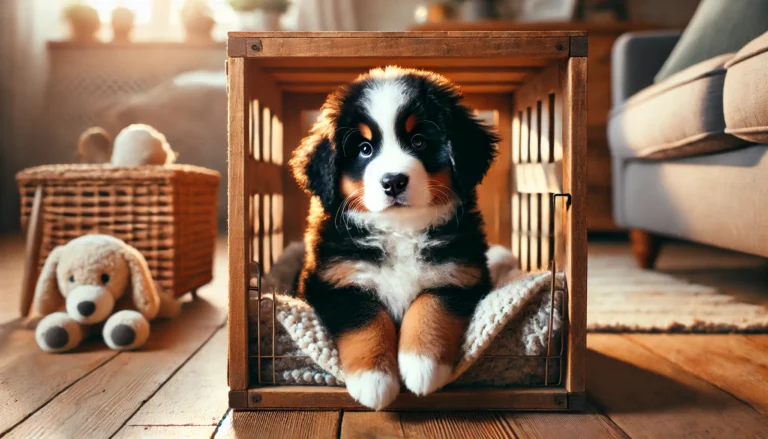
(90, 304)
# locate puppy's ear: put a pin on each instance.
(314, 168)
(143, 292)
(48, 298)
(473, 148)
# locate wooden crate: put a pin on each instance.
(168, 213)
(531, 85)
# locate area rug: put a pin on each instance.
(624, 298)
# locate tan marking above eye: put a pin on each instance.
(410, 123)
(366, 132)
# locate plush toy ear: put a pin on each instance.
(314, 168)
(473, 148)
(143, 291)
(48, 298)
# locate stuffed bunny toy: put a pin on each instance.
(97, 282)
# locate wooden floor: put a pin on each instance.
(639, 386)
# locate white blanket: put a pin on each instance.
(518, 309)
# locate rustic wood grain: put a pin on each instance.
(590, 424)
(574, 137)
(648, 396)
(282, 424)
(541, 31)
(408, 45)
(165, 432)
(195, 396)
(239, 254)
(454, 425)
(369, 425)
(29, 377)
(325, 398)
(99, 404)
(714, 358)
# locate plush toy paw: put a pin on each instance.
(126, 330)
(58, 332)
(421, 374)
(373, 388)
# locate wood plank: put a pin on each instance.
(501, 88)
(361, 425)
(282, 424)
(200, 385)
(165, 432)
(590, 424)
(716, 358)
(27, 378)
(453, 425)
(324, 398)
(238, 227)
(99, 404)
(574, 88)
(648, 396)
(340, 75)
(407, 45)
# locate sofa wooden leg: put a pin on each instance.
(645, 246)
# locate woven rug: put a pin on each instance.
(624, 298)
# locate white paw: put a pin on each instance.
(58, 332)
(126, 330)
(421, 374)
(373, 388)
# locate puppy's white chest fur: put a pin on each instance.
(402, 275)
(400, 278)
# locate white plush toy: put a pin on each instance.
(140, 144)
(97, 282)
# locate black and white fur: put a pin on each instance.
(394, 274)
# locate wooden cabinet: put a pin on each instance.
(601, 39)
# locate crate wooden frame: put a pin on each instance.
(535, 82)
(166, 212)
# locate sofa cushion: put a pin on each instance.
(745, 94)
(679, 117)
(717, 27)
(715, 199)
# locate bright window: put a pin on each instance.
(142, 9)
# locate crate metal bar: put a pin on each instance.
(553, 271)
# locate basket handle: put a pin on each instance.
(32, 253)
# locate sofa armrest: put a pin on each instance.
(636, 58)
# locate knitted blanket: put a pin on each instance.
(505, 343)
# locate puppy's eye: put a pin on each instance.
(418, 142)
(366, 150)
(72, 278)
(104, 278)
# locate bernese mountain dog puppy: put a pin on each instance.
(395, 250)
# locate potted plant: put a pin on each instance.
(122, 24)
(83, 22)
(261, 15)
(198, 20)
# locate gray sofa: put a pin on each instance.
(690, 153)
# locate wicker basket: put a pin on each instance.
(168, 213)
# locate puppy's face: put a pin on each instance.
(394, 139)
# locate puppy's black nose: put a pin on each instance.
(86, 308)
(394, 184)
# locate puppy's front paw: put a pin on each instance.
(373, 388)
(58, 332)
(126, 330)
(422, 375)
